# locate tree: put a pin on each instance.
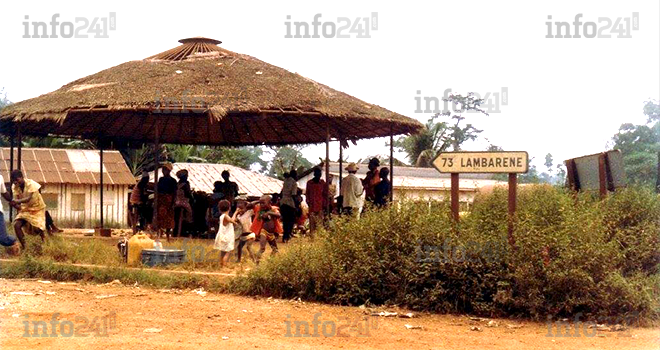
(442, 132)
(288, 158)
(639, 145)
(4, 102)
(243, 157)
(548, 163)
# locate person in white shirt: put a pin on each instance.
(247, 237)
(351, 191)
(5, 239)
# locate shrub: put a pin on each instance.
(573, 253)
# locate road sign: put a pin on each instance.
(481, 162)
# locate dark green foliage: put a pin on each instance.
(573, 254)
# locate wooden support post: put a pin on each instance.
(154, 221)
(572, 176)
(20, 148)
(101, 182)
(602, 175)
(657, 180)
(454, 196)
(391, 164)
(513, 184)
(327, 164)
(341, 164)
(11, 169)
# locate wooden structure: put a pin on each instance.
(200, 93)
(71, 185)
(484, 162)
(603, 172)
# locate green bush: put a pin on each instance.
(573, 253)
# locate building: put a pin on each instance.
(70, 184)
(250, 183)
(418, 183)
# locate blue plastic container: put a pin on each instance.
(153, 257)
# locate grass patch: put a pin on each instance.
(30, 267)
(573, 255)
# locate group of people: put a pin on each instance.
(174, 202)
(251, 222)
(376, 187)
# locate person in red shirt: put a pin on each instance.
(266, 225)
(316, 194)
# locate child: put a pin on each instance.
(247, 237)
(266, 225)
(224, 239)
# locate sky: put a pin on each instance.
(565, 96)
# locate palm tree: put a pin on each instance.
(442, 132)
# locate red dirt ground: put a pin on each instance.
(188, 320)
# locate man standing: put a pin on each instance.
(5, 239)
(316, 194)
(351, 191)
(229, 189)
(288, 204)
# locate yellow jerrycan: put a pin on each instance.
(136, 244)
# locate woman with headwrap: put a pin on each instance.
(167, 188)
(182, 201)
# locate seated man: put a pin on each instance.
(30, 205)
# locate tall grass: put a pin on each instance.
(572, 254)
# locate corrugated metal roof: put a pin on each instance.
(69, 166)
(427, 179)
(203, 175)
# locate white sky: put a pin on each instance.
(566, 96)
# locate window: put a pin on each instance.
(77, 202)
(51, 200)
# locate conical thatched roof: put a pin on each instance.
(199, 93)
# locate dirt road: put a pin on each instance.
(142, 318)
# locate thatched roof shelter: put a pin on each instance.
(200, 93)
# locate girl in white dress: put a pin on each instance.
(224, 239)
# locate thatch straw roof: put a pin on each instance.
(199, 93)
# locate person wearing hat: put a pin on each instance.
(167, 188)
(351, 191)
(182, 207)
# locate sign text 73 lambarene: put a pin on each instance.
(481, 162)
